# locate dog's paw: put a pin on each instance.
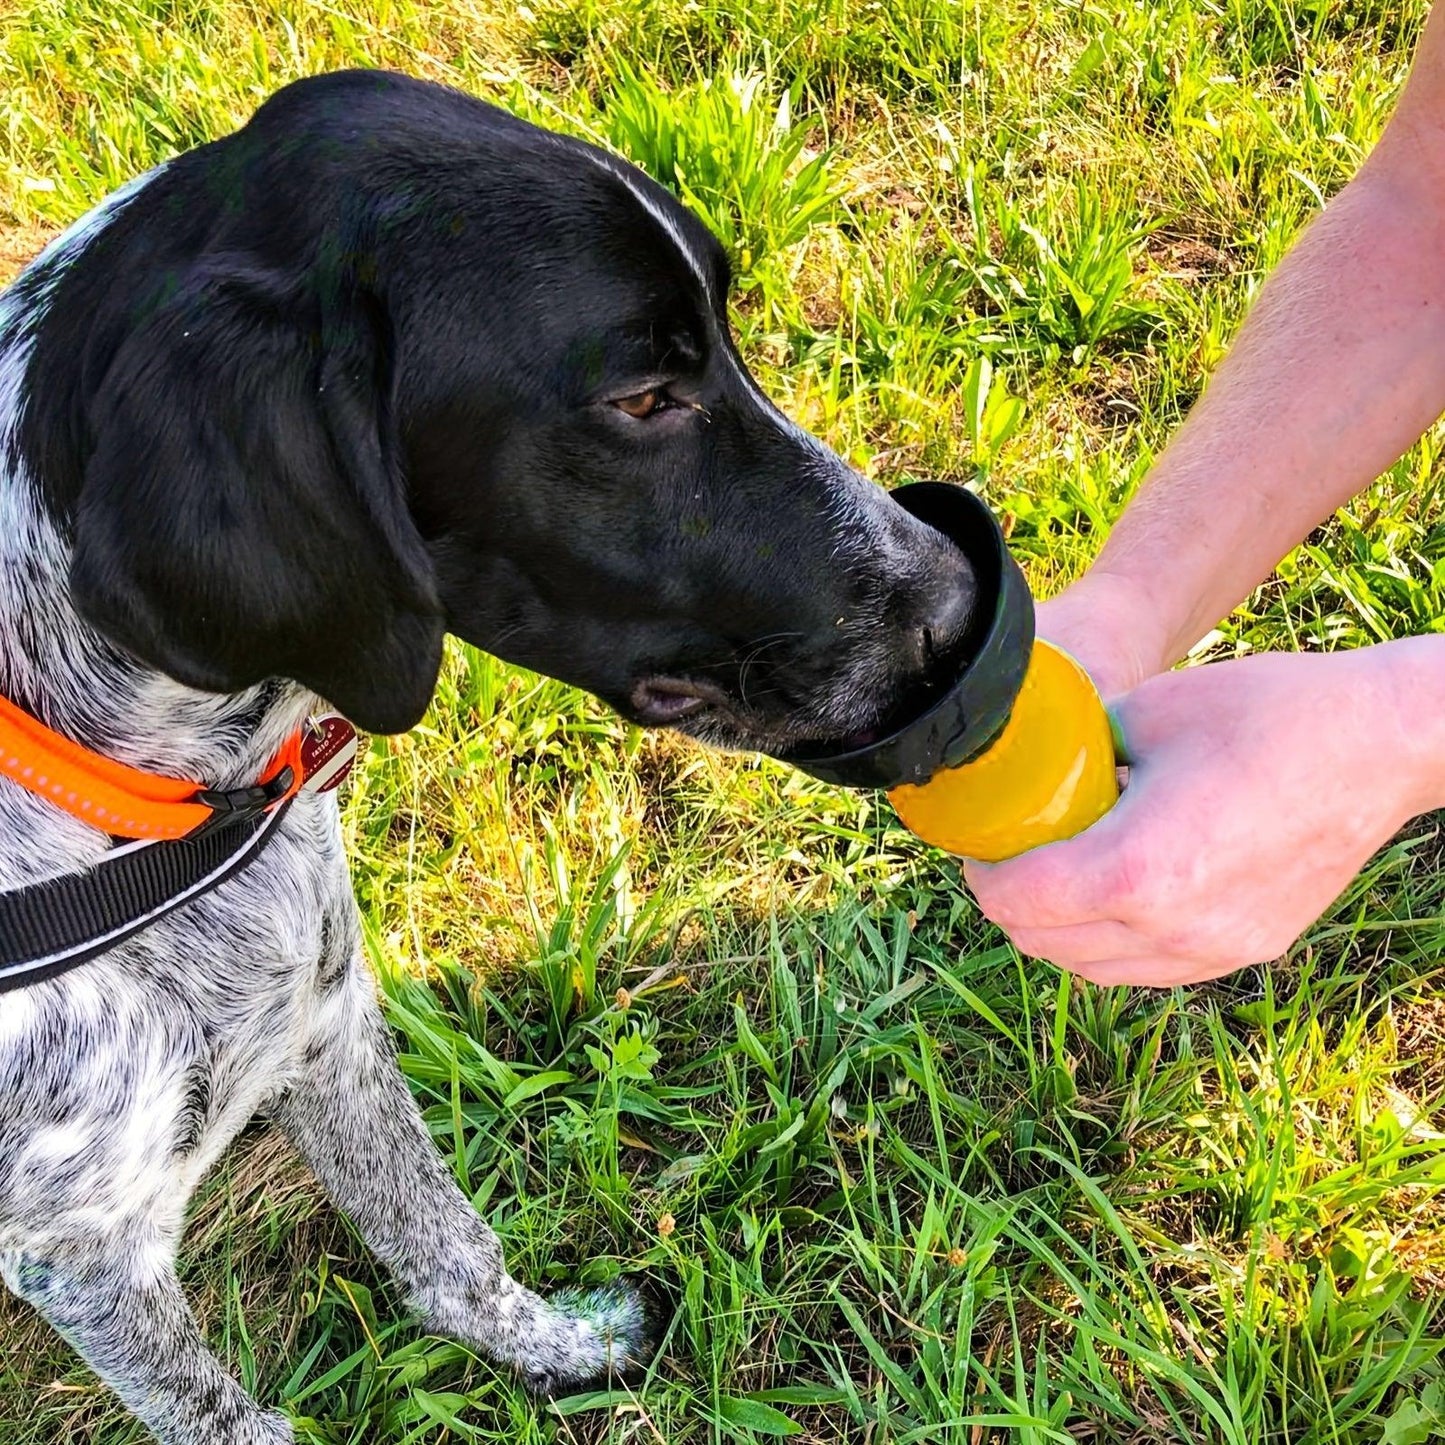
(610, 1338)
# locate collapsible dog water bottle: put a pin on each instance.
(1018, 751)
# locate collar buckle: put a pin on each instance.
(234, 805)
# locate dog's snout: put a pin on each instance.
(943, 619)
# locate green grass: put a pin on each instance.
(701, 1021)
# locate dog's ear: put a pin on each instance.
(243, 510)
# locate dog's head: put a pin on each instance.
(389, 363)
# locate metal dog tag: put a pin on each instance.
(327, 752)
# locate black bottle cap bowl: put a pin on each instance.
(959, 722)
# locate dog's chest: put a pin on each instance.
(128, 1076)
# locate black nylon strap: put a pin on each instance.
(51, 926)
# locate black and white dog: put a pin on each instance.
(386, 363)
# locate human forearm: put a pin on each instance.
(1338, 370)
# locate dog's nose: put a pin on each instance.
(940, 625)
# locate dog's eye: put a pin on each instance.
(644, 404)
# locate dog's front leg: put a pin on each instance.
(117, 1300)
(354, 1120)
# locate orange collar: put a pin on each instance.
(123, 801)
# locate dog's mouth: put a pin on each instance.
(705, 711)
(665, 702)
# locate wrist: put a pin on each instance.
(1410, 721)
(1109, 622)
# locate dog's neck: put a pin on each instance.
(52, 662)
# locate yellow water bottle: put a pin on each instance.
(1018, 750)
(1048, 775)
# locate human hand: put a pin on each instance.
(1257, 790)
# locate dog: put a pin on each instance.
(386, 363)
